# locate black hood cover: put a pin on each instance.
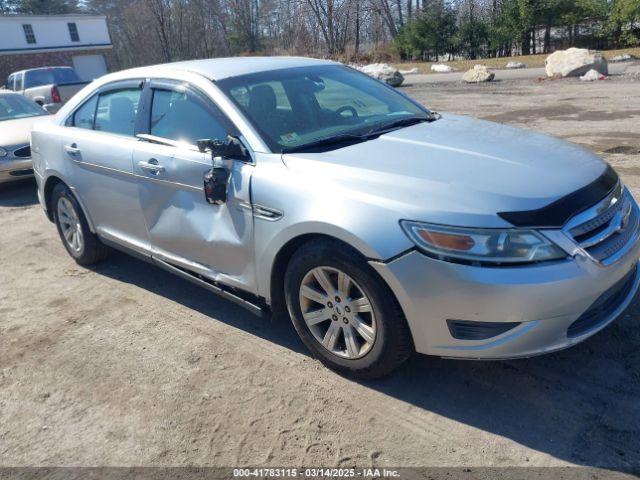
(556, 214)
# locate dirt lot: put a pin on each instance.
(124, 364)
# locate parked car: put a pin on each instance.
(380, 226)
(50, 87)
(17, 116)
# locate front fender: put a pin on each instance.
(313, 206)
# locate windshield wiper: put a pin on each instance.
(352, 138)
(342, 139)
(403, 122)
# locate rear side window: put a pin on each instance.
(86, 114)
(47, 76)
(116, 112)
(184, 117)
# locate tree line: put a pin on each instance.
(156, 31)
(497, 28)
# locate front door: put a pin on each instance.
(215, 241)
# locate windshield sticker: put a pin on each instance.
(290, 138)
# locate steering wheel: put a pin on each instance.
(347, 108)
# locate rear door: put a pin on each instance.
(212, 240)
(99, 147)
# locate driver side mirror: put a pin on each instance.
(232, 148)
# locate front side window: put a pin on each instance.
(10, 85)
(14, 106)
(28, 33)
(184, 117)
(84, 116)
(297, 107)
(116, 111)
(73, 32)
(18, 85)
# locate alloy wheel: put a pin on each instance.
(70, 225)
(337, 312)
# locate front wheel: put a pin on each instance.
(344, 313)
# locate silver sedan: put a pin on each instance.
(17, 117)
(379, 226)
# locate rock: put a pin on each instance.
(625, 57)
(478, 74)
(441, 68)
(384, 72)
(592, 75)
(413, 71)
(513, 65)
(575, 62)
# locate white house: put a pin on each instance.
(79, 41)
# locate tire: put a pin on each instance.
(370, 337)
(84, 246)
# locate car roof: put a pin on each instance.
(219, 68)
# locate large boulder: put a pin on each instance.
(384, 72)
(478, 74)
(514, 65)
(441, 68)
(592, 75)
(575, 62)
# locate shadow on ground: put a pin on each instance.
(18, 194)
(580, 405)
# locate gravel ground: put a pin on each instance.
(124, 364)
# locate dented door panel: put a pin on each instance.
(213, 240)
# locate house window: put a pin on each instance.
(73, 31)
(28, 33)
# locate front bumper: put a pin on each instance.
(546, 298)
(12, 169)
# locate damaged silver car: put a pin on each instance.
(379, 226)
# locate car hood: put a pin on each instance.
(18, 132)
(456, 170)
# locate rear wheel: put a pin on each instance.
(344, 313)
(83, 245)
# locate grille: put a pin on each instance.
(24, 152)
(607, 233)
(603, 307)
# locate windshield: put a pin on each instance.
(47, 76)
(16, 106)
(295, 107)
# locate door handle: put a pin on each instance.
(151, 166)
(72, 150)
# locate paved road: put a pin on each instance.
(524, 73)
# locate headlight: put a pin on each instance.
(481, 245)
(3, 152)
